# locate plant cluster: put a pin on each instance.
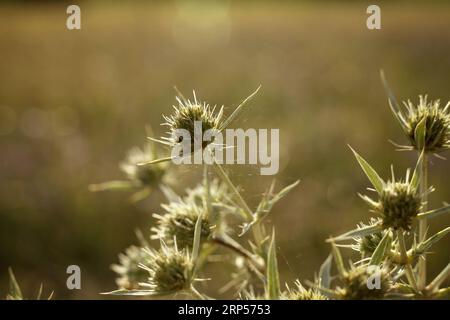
(197, 228)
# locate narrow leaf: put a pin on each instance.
(283, 192)
(14, 288)
(393, 104)
(373, 176)
(124, 292)
(273, 278)
(359, 232)
(197, 236)
(419, 133)
(434, 213)
(325, 272)
(427, 244)
(236, 111)
(338, 259)
(415, 180)
(38, 297)
(380, 251)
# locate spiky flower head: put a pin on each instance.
(128, 270)
(427, 125)
(190, 114)
(436, 120)
(364, 283)
(143, 175)
(179, 222)
(399, 201)
(170, 270)
(301, 293)
(399, 204)
(367, 244)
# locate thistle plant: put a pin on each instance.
(401, 208)
(193, 230)
(427, 127)
(194, 226)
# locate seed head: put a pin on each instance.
(398, 205)
(301, 293)
(170, 270)
(437, 124)
(366, 245)
(128, 270)
(143, 175)
(187, 114)
(179, 222)
(355, 284)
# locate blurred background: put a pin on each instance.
(73, 102)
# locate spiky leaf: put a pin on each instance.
(373, 176)
(14, 289)
(380, 251)
(273, 278)
(434, 213)
(325, 272)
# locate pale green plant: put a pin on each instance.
(392, 247)
(193, 227)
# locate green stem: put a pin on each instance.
(404, 255)
(423, 225)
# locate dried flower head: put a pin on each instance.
(128, 270)
(399, 204)
(356, 283)
(367, 244)
(426, 125)
(179, 222)
(188, 114)
(170, 270)
(143, 175)
(301, 293)
(437, 124)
